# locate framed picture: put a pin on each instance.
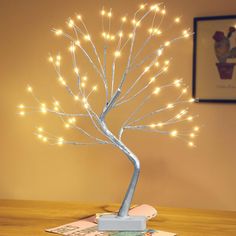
(214, 59)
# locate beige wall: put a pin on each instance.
(172, 174)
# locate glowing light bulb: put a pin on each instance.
(152, 126)
(67, 125)
(43, 110)
(154, 8)
(60, 141)
(178, 116)
(45, 139)
(50, 59)
(40, 136)
(120, 34)
(152, 79)
(136, 23)
(190, 118)
(40, 129)
(57, 63)
(29, 89)
(76, 98)
(83, 85)
(76, 70)
(184, 90)
(56, 103)
(142, 6)
(72, 48)
(174, 133)
(169, 106)
(163, 12)
(196, 128)
(157, 64)
(79, 17)
(95, 88)
(191, 100)
(87, 37)
(157, 90)
(71, 120)
(109, 14)
(130, 35)
(123, 19)
(191, 144)
(77, 42)
(117, 53)
(62, 81)
(112, 37)
(192, 135)
(86, 105)
(21, 106)
(177, 19)
(58, 32)
(146, 69)
(151, 30)
(84, 78)
(167, 43)
(158, 32)
(160, 124)
(22, 113)
(103, 12)
(159, 52)
(186, 33)
(71, 23)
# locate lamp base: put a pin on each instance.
(117, 223)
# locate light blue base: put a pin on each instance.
(116, 223)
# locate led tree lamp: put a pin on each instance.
(116, 94)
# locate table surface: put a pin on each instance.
(28, 218)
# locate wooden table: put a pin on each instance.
(30, 218)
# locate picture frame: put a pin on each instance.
(214, 59)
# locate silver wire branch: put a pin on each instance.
(122, 101)
(146, 41)
(136, 81)
(84, 52)
(137, 109)
(164, 108)
(57, 112)
(93, 46)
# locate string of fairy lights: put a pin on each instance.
(115, 95)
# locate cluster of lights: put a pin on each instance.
(135, 22)
(155, 31)
(107, 14)
(108, 36)
(117, 53)
(186, 33)
(58, 32)
(62, 81)
(56, 106)
(72, 48)
(21, 110)
(43, 108)
(40, 135)
(155, 8)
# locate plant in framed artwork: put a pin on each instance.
(224, 51)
